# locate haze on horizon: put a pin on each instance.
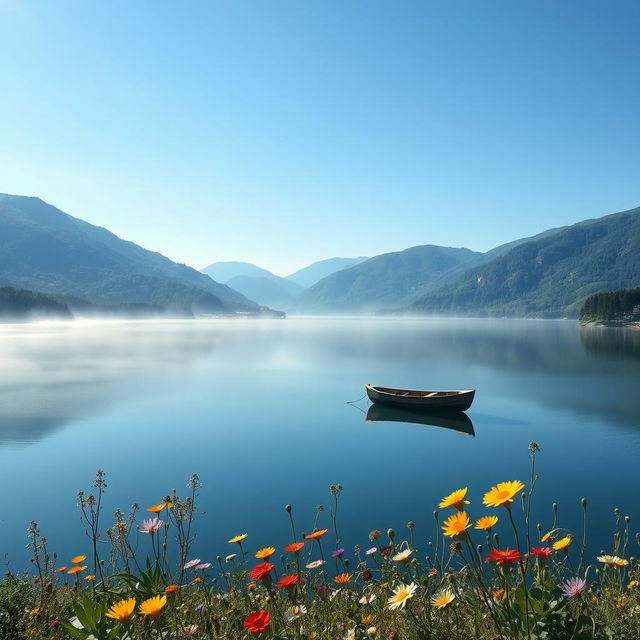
(284, 133)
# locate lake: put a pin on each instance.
(258, 409)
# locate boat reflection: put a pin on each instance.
(456, 421)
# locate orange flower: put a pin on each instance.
(78, 559)
(257, 621)
(90, 578)
(153, 606)
(265, 553)
(316, 534)
(294, 547)
(286, 582)
(261, 571)
(342, 578)
(61, 569)
(157, 508)
(197, 579)
(486, 522)
(123, 610)
(75, 570)
(171, 588)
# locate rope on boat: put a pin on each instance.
(358, 400)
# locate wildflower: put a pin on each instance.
(153, 525)
(540, 552)
(190, 629)
(455, 499)
(34, 612)
(337, 553)
(351, 634)
(157, 508)
(315, 564)
(502, 556)
(61, 569)
(366, 574)
(374, 535)
(432, 571)
(402, 556)
(294, 547)
(498, 593)
(400, 595)
(573, 587)
(502, 493)
(286, 582)
(90, 577)
(78, 559)
(171, 588)
(316, 534)
(230, 557)
(613, 560)
(123, 610)
(295, 612)
(76, 569)
(261, 571)
(191, 563)
(371, 632)
(563, 543)
(342, 578)
(203, 566)
(239, 538)
(197, 579)
(257, 621)
(456, 524)
(633, 583)
(486, 523)
(366, 619)
(265, 553)
(547, 536)
(371, 551)
(385, 551)
(153, 606)
(367, 598)
(442, 599)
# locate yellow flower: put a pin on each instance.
(400, 595)
(456, 524)
(90, 578)
(78, 559)
(239, 538)
(455, 499)
(486, 522)
(366, 619)
(563, 543)
(402, 556)
(153, 606)
(614, 560)
(157, 508)
(547, 535)
(633, 583)
(265, 552)
(502, 493)
(34, 612)
(442, 599)
(123, 610)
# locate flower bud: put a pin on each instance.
(392, 534)
(287, 508)
(583, 502)
(616, 512)
(555, 507)
(435, 515)
(410, 525)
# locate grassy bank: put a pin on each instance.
(486, 572)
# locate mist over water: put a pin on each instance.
(259, 409)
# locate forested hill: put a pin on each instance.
(612, 307)
(550, 276)
(20, 304)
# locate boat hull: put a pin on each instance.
(426, 400)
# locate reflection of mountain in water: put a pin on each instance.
(52, 375)
(455, 421)
(610, 343)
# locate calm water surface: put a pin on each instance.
(259, 410)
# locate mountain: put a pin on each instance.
(255, 283)
(308, 276)
(47, 250)
(20, 304)
(549, 276)
(387, 280)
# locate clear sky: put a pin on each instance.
(283, 132)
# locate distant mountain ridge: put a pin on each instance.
(308, 276)
(550, 275)
(44, 249)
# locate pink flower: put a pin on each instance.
(151, 526)
(192, 563)
(574, 587)
(371, 551)
(203, 566)
(190, 629)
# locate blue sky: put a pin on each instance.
(283, 132)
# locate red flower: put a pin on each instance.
(502, 556)
(540, 552)
(294, 547)
(366, 574)
(257, 621)
(385, 551)
(316, 534)
(286, 582)
(262, 570)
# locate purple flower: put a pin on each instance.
(573, 587)
(337, 553)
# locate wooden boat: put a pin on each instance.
(459, 400)
(453, 420)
